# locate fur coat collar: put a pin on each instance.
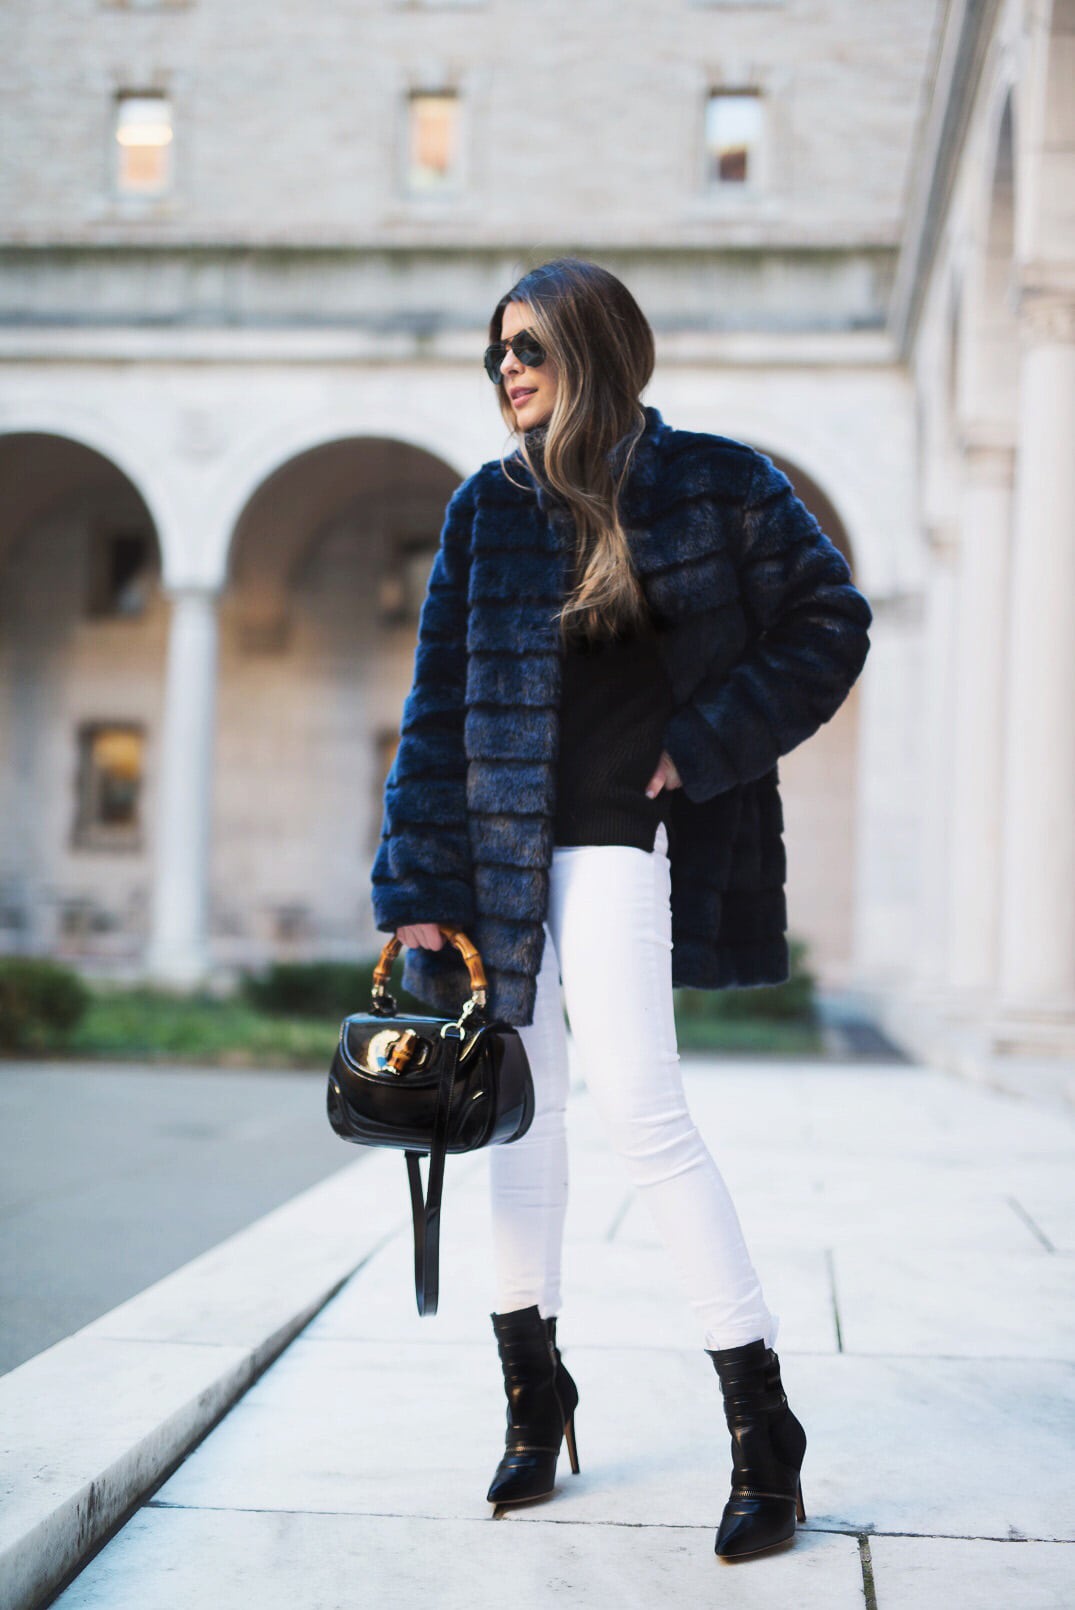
(762, 634)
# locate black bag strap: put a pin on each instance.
(426, 1214)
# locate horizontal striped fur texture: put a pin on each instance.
(763, 635)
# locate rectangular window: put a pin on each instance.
(121, 573)
(110, 773)
(405, 579)
(143, 144)
(432, 141)
(733, 128)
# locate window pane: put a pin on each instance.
(143, 143)
(109, 785)
(116, 761)
(434, 132)
(732, 132)
(121, 573)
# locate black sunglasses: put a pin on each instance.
(525, 346)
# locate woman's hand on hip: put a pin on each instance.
(420, 935)
(666, 776)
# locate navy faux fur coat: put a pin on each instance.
(763, 635)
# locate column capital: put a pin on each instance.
(987, 455)
(209, 591)
(1046, 313)
(942, 539)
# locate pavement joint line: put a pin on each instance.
(504, 1512)
(1031, 1223)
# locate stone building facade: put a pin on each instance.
(247, 261)
(983, 315)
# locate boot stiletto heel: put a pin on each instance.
(572, 1451)
(569, 1396)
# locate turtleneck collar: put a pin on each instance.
(641, 464)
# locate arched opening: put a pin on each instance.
(818, 787)
(327, 567)
(82, 638)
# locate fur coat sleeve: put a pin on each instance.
(808, 647)
(422, 871)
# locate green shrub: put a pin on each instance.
(39, 1000)
(303, 989)
(325, 989)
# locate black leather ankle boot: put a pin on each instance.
(537, 1416)
(768, 1445)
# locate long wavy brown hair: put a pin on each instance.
(590, 324)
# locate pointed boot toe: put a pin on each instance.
(522, 1477)
(752, 1525)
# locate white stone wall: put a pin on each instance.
(985, 302)
(289, 118)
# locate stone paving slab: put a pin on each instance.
(955, 1301)
(938, 1446)
(288, 1561)
(927, 1573)
(598, 1278)
(924, 1340)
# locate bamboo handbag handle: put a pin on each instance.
(466, 947)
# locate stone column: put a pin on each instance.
(1037, 953)
(934, 697)
(179, 946)
(977, 774)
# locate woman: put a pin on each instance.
(625, 626)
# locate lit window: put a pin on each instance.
(732, 137)
(143, 144)
(111, 764)
(433, 140)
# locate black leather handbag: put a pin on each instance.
(429, 1086)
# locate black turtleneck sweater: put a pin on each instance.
(615, 701)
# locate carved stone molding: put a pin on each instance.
(942, 539)
(1046, 316)
(988, 460)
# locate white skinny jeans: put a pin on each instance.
(608, 939)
